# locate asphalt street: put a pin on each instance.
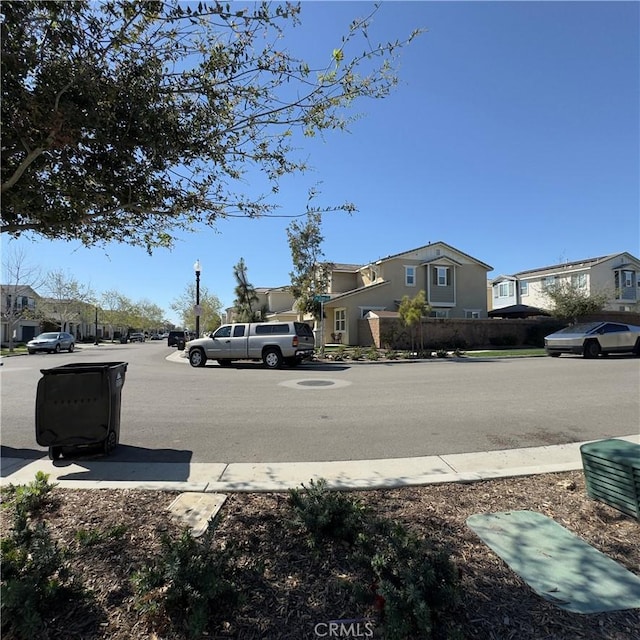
(340, 411)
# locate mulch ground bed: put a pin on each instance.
(289, 587)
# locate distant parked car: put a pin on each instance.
(592, 339)
(52, 342)
(136, 337)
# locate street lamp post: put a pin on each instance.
(197, 269)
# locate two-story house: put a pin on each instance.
(18, 309)
(617, 275)
(453, 281)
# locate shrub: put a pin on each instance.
(34, 578)
(90, 537)
(327, 514)
(29, 498)
(188, 583)
(442, 353)
(414, 584)
(356, 353)
(373, 354)
(409, 580)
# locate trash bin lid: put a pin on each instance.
(620, 451)
(84, 367)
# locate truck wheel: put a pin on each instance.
(55, 453)
(591, 349)
(272, 358)
(197, 358)
(110, 443)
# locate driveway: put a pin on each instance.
(341, 411)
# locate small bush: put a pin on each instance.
(34, 577)
(30, 498)
(189, 583)
(415, 585)
(373, 354)
(391, 354)
(356, 353)
(411, 582)
(327, 514)
(442, 353)
(90, 537)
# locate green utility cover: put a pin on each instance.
(556, 564)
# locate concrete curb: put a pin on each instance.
(281, 476)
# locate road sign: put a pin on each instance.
(320, 298)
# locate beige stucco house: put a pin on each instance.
(18, 312)
(617, 275)
(453, 281)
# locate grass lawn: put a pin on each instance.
(506, 353)
(17, 351)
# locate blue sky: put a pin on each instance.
(513, 136)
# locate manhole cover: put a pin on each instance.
(314, 384)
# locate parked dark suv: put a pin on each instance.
(179, 338)
(174, 337)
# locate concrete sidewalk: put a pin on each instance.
(102, 473)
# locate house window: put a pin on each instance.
(441, 276)
(549, 281)
(524, 288)
(505, 289)
(627, 277)
(579, 280)
(410, 276)
(439, 313)
(473, 314)
(340, 320)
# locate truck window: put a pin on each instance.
(223, 332)
(238, 331)
(303, 329)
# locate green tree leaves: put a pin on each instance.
(133, 121)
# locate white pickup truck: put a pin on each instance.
(274, 343)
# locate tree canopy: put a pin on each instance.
(132, 121)
(211, 308)
(569, 300)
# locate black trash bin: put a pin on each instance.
(78, 405)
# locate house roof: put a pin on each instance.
(383, 313)
(270, 289)
(517, 311)
(442, 244)
(357, 291)
(587, 262)
(343, 266)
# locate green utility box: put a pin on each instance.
(612, 474)
(78, 405)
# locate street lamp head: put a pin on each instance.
(196, 266)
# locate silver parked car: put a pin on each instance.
(592, 339)
(52, 342)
